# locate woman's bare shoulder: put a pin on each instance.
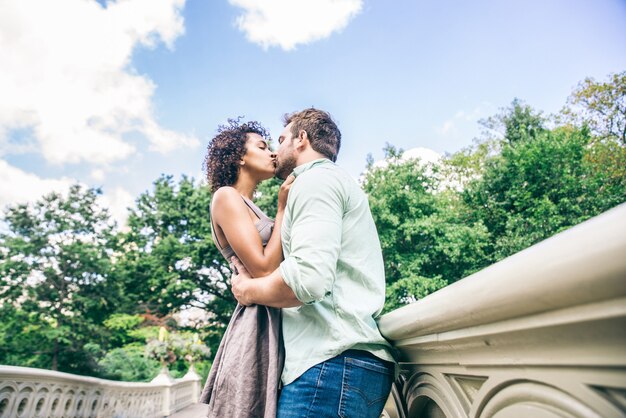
(226, 198)
(226, 193)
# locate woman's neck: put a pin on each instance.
(245, 186)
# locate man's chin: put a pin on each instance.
(282, 172)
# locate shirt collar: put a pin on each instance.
(307, 166)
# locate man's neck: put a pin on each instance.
(308, 156)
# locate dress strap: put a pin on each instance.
(217, 241)
(258, 212)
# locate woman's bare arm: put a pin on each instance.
(230, 214)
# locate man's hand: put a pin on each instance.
(238, 281)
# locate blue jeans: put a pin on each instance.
(353, 384)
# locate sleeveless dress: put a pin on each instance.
(245, 374)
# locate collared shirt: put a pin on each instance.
(333, 263)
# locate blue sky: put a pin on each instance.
(114, 96)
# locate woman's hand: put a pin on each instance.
(284, 192)
(238, 281)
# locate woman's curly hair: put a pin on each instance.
(226, 149)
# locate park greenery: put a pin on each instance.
(80, 294)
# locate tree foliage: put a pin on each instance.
(519, 184)
(169, 260)
(601, 106)
(543, 183)
(426, 236)
(55, 278)
(129, 363)
(516, 123)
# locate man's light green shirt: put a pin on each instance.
(333, 263)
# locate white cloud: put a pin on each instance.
(97, 174)
(118, 203)
(65, 73)
(18, 186)
(287, 23)
(462, 120)
(447, 127)
(426, 156)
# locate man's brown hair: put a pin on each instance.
(321, 129)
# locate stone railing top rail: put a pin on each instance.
(581, 265)
(29, 392)
(17, 373)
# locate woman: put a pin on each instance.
(245, 375)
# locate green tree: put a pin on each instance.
(266, 196)
(129, 363)
(410, 289)
(169, 261)
(601, 106)
(515, 123)
(123, 329)
(457, 170)
(426, 236)
(55, 287)
(539, 187)
(24, 337)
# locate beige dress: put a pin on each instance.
(245, 375)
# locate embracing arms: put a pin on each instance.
(268, 290)
(309, 270)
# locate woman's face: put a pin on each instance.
(258, 160)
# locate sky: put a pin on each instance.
(113, 94)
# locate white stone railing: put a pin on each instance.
(27, 392)
(539, 334)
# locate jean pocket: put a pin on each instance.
(371, 364)
(365, 387)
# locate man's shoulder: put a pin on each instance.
(327, 174)
(327, 182)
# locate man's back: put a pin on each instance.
(333, 263)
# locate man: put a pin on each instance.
(331, 282)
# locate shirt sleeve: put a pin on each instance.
(316, 207)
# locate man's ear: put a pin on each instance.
(303, 139)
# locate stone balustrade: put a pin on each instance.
(30, 393)
(539, 334)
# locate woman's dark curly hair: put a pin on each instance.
(226, 149)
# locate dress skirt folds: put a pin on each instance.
(245, 376)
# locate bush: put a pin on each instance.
(129, 363)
